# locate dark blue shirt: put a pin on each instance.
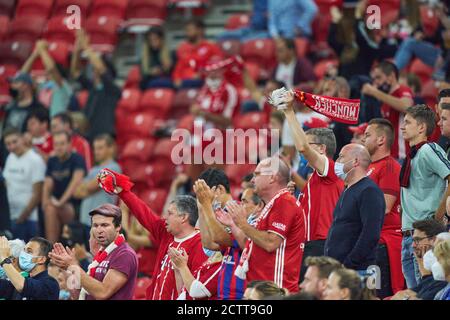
(39, 287)
(62, 172)
(357, 220)
(428, 288)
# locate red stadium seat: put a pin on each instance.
(109, 8)
(7, 7)
(301, 46)
(236, 172)
(141, 288)
(236, 190)
(429, 20)
(133, 78)
(251, 120)
(60, 7)
(39, 8)
(163, 149)
(141, 124)
(157, 101)
(260, 51)
(139, 149)
(429, 92)
(26, 28)
(186, 122)
(237, 21)
(155, 199)
(325, 5)
(14, 52)
(4, 26)
(57, 30)
(129, 102)
(82, 98)
(102, 31)
(182, 102)
(230, 47)
(59, 51)
(146, 12)
(422, 70)
(153, 174)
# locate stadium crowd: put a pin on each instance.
(92, 206)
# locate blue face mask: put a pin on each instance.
(64, 295)
(2, 273)
(26, 261)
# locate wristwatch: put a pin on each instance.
(6, 261)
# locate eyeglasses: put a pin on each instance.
(416, 240)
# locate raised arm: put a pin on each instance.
(49, 63)
(315, 159)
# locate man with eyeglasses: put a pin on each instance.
(424, 236)
(318, 146)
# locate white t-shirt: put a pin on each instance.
(285, 73)
(20, 174)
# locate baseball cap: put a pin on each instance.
(315, 123)
(22, 76)
(359, 129)
(107, 210)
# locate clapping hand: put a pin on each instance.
(205, 194)
(238, 214)
(179, 258)
(63, 257)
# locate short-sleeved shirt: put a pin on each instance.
(59, 96)
(282, 266)
(429, 169)
(98, 198)
(43, 144)
(207, 275)
(61, 172)
(124, 260)
(399, 148)
(385, 173)
(319, 208)
(20, 174)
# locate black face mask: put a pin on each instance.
(14, 93)
(385, 87)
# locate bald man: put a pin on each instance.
(359, 213)
(274, 246)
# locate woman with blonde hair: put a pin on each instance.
(260, 290)
(346, 284)
(441, 268)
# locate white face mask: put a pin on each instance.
(438, 271)
(213, 84)
(429, 259)
(339, 170)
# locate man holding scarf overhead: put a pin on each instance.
(112, 274)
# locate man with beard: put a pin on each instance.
(112, 274)
(192, 55)
(396, 98)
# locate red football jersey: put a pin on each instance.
(163, 286)
(82, 147)
(207, 274)
(224, 101)
(286, 219)
(399, 148)
(319, 208)
(192, 58)
(385, 173)
(44, 144)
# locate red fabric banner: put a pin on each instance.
(337, 109)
